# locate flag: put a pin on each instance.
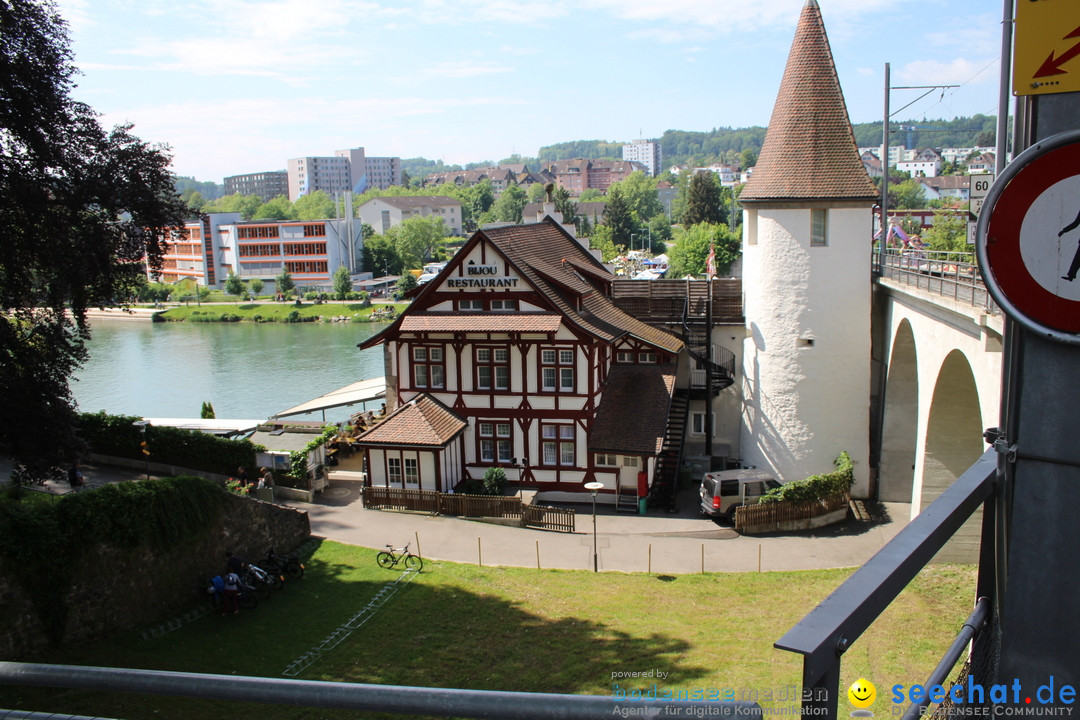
(710, 263)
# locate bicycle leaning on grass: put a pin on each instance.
(391, 556)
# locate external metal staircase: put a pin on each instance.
(666, 477)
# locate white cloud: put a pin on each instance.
(728, 16)
(952, 72)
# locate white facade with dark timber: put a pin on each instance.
(523, 362)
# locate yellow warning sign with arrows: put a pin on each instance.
(1046, 51)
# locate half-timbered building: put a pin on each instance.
(515, 356)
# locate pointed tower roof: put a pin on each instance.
(809, 150)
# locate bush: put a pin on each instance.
(494, 481)
(116, 435)
(816, 487)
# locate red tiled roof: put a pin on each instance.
(480, 322)
(423, 422)
(632, 417)
(809, 150)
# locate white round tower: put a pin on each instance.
(807, 277)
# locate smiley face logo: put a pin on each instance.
(862, 693)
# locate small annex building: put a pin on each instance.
(515, 356)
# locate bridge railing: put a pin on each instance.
(953, 275)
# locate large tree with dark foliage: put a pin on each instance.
(703, 200)
(81, 209)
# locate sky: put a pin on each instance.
(241, 86)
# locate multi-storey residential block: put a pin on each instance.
(649, 153)
(384, 213)
(267, 185)
(580, 174)
(347, 170)
(208, 250)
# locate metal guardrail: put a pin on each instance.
(398, 699)
(829, 629)
(954, 275)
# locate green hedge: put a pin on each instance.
(816, 487)
(118, 435)
(40, 543)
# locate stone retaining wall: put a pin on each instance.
(116, 589)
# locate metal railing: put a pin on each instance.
(953, 275)
(438, 702)
(835, 624)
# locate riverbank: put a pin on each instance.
(288, 312)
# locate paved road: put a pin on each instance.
(658, 542)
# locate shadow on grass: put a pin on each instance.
(447, 628)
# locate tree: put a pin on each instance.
(536, 193)
(703, 200)
(285, 284)
(641, 195)
(246, 205)
(257, 286)
(908, 195)
(590, 195)
(234, 285)
(405, 283)
(418, 239)
(691, 251)
(380, 257)
(207, 412)
(81, 210)
(567, 207)
(600, 239)
(314, 206)
(949, 232)
(617, 217)
(280, 208)
(510, 205)
(342, 282)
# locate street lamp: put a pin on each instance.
(593, 487)
(141, 424)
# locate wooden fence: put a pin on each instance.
(768, 516)
(474, 506)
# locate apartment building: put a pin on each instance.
(347, 170)
(649, 153)
(384, 213)
(208, 250)
(267, 185)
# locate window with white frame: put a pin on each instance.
(393, 471)
(468, 305)
(412, 472)
(558, 444)
(495, 443)
(624, 356)
(647, 358)
(492, 368)
(504, 304)
(697, 423)
(607, 460)
(557, 370)
(429, 369)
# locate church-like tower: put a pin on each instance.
(807, 277)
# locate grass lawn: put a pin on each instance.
(272, 311)
(520, 629)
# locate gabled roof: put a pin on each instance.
(633, 412)
(809, 150)
(556, 266)
(421, 422)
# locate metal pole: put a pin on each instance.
(1003, 91)
(595, 563)
(884, 172)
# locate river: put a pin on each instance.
(246, 370)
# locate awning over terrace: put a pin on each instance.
(354, 394)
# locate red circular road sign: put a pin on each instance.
(1029, 238)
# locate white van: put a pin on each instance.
(723, 491)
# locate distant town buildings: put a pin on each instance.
(267, 185)
(208, 250)
(647, 152)
(347, 170)
(383, 213)
(581, 174)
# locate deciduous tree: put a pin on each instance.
(703, 200)
(81, 210)
(342, 282)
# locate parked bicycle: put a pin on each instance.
(289, 565)
(246, 596)
(390, 557)
(261, 581)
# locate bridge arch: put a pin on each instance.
(900, 424)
